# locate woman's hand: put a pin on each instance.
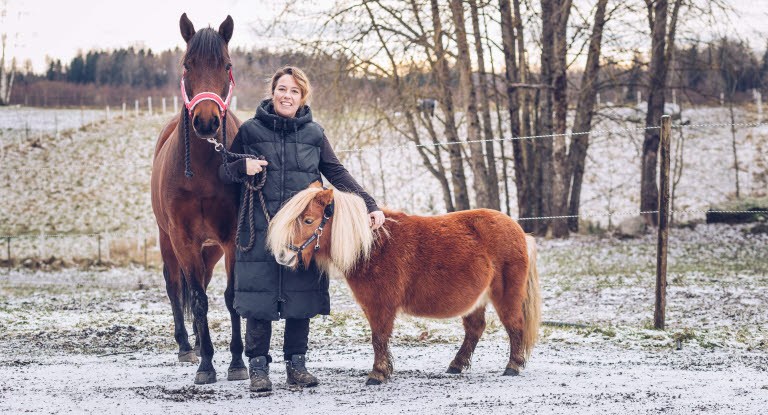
(377, 219)
(253, 166)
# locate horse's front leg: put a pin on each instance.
(194, 271)
(381, 320)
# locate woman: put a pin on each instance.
(296, 152)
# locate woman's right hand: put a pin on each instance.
(253, 166)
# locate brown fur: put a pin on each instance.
(196, 216)
(441, 267)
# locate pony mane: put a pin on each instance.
(206, 46)
(351, 236)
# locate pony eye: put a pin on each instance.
(308, 221)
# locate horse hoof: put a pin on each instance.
(453, 370)
(202, 378)
(511, 372)
(237, 373)
(372, 382)
(188, 356)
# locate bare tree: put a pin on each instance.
(662, 45)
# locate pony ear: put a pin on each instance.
(187, 28)
(324, 198)
(225, 30)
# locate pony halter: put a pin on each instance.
(207, 96)
(327, 213)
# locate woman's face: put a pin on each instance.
(286, 96)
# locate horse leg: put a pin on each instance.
(474, 325)
(176, 289)
(237, 369)
(194, 271)
(381, 320)
(507, 299)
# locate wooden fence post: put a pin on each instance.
(99, 261)
(8, 241)
(661, 253)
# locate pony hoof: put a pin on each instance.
(372, 382)
(511, 372)
(188, 356)
(237, 373)
(202, 378)
(453, 370)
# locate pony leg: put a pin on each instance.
(237, 369)
(509, 306)
(176, 289)
(474, 325)
(381, 321)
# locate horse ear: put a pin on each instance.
(225, 30)
(187, 28)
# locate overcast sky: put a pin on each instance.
(59, 28)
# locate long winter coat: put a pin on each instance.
(296, 150)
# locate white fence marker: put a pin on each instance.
(175, 104)
(149, 105)
(137, 107)
(123, 109)
(163, 105)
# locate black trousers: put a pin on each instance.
(259, 332)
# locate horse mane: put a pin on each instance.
(351, 238)
(208, 46)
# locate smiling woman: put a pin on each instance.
(295, 153)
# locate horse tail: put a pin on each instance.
(186, 297)
(532, 302)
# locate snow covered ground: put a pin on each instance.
(101, 339)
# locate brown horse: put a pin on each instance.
(196, 215)
(440, 267)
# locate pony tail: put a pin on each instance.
(532, 302)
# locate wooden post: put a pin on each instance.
(136, 106)
(175, 104)
(661, 253)
(99, 261)
(149, 105)
(123, 109)
(163, 105)
(8, 242)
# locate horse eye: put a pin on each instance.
(308, 221)
(228, 67)
(186, 66)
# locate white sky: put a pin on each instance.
(59, 28)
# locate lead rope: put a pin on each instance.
(251, 187)
(187, 168)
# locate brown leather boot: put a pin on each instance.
(259, 371)
(297, 373)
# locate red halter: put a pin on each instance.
(210, 96)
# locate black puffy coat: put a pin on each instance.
(264, 289)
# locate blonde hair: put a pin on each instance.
(351, 239)
(299, 76)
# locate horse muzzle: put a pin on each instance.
(206, 127)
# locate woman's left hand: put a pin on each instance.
(377, 219)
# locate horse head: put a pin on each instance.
(325, 225)
(207, 75)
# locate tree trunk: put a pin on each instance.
(577, 154)
(523, 180)
(492, 177)
(477, 161)
(562, 11)
(442, 75)
(660, 56)
(544, 146)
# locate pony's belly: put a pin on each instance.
(446, 305)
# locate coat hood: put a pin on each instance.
(267, 115)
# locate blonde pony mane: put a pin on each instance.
(351, 236)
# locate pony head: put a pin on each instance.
(325, 225)
(207, 74)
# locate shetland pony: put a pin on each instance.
(197, 216)
(439, 267)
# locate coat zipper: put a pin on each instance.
(280, 299)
